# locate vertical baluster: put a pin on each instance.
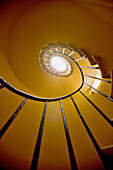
(89, 67)
(97, 147)
(100, 92)
(38, 142)
(11, 119)
(70, 148)
(107, 81)
(80, 59)
(101, 113)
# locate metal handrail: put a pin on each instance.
(32, 97)
(106, 160)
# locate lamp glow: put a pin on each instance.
(58, 64)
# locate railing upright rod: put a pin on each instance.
(70, 148)
(8, 123)
(101, 113)
(89, 67)
(80, 59)
(35, 158)
(97, 78)
(97, 147)
(109, 98)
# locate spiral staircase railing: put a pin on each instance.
(106, 159)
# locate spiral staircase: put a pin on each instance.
(49, 121)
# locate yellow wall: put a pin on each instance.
(25, 27)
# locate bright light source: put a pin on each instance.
(58, 64)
